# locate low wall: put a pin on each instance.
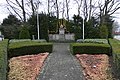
(61, 37)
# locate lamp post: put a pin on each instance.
(38, 29)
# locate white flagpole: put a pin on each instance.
(38, 29)
(83, 20)
(83, 29)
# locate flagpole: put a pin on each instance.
(83, 20)
(83, 29)
(38, 29)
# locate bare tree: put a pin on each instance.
(90, 9)
(85, 10)
(32, 6)
(108, 8)
(48, 7)
(22, 8)
(54, 7)
(57, 8)
(63, 9)
(67, 8)
(17, 7)
(51, 7)
(79, 4)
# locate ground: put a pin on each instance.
(96, 67)
(26, 67)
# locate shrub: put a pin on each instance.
(23, 40)
(116, 51)
(18, 40)
(28, 47)
(77, 32)
(3, 59)
(104, 32)
(93, 41)
(24, 33)
(89, 48)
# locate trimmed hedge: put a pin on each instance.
(97, 41)
(28, 47)
(23, 40)
(116, 51)
(3, 59)
(89, 48)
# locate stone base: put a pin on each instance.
(61, 37)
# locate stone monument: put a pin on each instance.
(61, 29)
(61, 33)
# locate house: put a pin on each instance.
(117, 34)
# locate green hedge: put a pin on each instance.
(3, 59)
(28, 47)
(23, 40)
(96, 41)
(116, 51)
(89, 48)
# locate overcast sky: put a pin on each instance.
(4, 13)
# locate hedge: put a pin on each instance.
(96, 41)
(89, 48)
(28, 47)
(116, 51)
(3, 59)
(23, 40)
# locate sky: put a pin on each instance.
(4, 12)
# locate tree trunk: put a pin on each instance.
(67, 8)
(24, 13)
(56, 3)
(32, 5)
(90, 9)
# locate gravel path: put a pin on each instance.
(61, 65)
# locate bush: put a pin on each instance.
(3, 59)
(89, 48)
(28, 47)
(116, 51)
(18, 40)
(24, 33)
(93, 41)
(104, 32)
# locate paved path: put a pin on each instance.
(61, 65)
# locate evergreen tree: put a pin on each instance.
(10, 27)
(24, 33)
(103, 32)
(43, 25)
(78, 23)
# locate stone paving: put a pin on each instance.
(61, 65)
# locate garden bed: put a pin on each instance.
(26, 67)
(95, 67)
